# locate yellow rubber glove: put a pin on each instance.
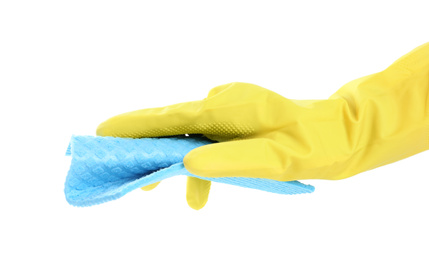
(369, 122)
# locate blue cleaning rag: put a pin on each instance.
(106, 168)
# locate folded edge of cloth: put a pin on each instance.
(106, 168)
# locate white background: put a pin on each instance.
(66, 66)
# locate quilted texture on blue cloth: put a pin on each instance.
(106, 168)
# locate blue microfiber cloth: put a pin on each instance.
(106, 168)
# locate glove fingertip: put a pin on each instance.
(150, 186)
(197, 192)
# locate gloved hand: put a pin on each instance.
(369, 122)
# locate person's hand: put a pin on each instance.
(369, 122)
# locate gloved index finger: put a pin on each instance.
(230, 111)
(162, 121)
(178, 119)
